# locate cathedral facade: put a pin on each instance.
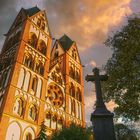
(38, 81)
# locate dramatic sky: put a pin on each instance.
(88, 22)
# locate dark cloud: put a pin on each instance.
(7, 15)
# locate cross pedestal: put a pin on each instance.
(102, 119)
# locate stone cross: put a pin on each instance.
(97, 78)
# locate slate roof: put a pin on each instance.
(31, 11)
(65, 42)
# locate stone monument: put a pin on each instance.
(102, 119)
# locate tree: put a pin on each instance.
(123, 68)
(123, 132)
(72, 133)
(42, 134)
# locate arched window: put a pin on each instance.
(18, 106)
(59, 122)
(78, 110)
(39, 68)
(73, 53)
(28, 61)
(48, 119)
(39, 22)
(39, 88)
(72, 73)
(42, 47)
(72, 90)
(28, 136)
(33, 40)
(43, 26)
(26, 81)
(73, 108)
(77, 77)
(33, 112)
(78, 94)
(13, 132)
(21, 78)
(54, 121)
(34, 84)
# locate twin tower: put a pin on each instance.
(38, 83)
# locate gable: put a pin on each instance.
(57, 50)
(41, 21)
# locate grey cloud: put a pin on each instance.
(7, 15)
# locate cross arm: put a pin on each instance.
(90, 78)
(103, 77)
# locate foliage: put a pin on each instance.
(123, 132)
(72, 133)
(123, 85)
(42, 134)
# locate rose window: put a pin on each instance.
(55, 95)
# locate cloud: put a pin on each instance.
(89, 105)
(86, 21)
(93, 63)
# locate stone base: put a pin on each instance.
(103, 127)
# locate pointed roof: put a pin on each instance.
(31, 11)
(65, 42)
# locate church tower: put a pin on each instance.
(65, 54)
(36, 83)
(24, 68)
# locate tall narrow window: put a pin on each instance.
(33, 40)
(48, 119)
(42, 47)
(73, 109)
(72, 90)
(59, 123)
(43, 26)
(41, 69)
(39, 22)
(78, 94)
(34, 84)
(33, 112)
(28, 61)
(18, 106)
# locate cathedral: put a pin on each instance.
(40, 79)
